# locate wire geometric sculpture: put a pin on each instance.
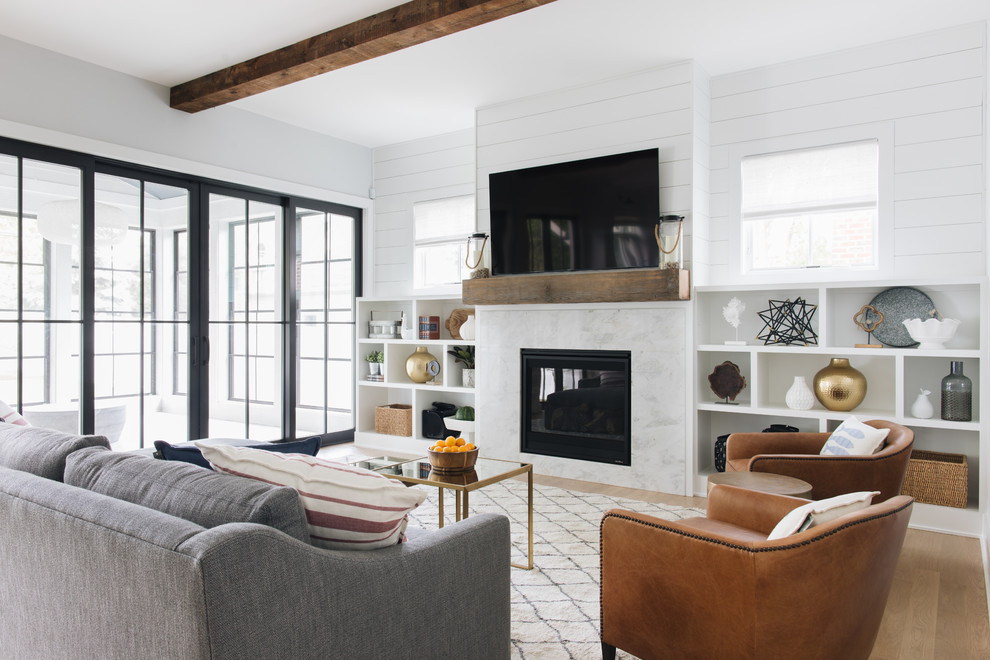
(788, 322)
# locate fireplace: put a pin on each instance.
(576, 404)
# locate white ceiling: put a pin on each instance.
(434, 88)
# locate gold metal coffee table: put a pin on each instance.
(486, 471)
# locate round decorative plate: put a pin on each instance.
(897, 305)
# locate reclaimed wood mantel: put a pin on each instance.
(636, 285)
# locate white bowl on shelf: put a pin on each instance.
(931, 334)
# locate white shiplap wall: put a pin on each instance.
(406, 173)
(930, 88)
(700, 236)
(640, 111)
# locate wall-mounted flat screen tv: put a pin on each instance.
(592, 214)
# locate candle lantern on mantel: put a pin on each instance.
(668, 233)
(479, 256)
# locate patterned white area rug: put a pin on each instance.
(555, 606)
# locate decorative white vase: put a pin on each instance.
(467, 377)
(799, 396)
(922, 408)
(467, 328)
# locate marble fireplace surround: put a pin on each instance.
(655, 333)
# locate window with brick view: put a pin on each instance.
(811, 208)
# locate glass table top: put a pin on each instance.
(419, 470)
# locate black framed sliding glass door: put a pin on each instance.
(246, 316)
(145, 305)
(140, 308)
(327, 262)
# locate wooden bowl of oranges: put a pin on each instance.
(452, 455)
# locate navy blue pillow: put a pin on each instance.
(191, 454)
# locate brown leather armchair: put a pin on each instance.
(714, 587)
(797, 455)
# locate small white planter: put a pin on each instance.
(374, 368)
(799, 396)
(467, 377)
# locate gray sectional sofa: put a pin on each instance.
(110, 570)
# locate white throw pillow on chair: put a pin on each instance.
(820, 512)
(854, 438)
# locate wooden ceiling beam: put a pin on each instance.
(400, 27)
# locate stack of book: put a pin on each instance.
(429, 327)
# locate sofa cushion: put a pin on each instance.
(186, 491)
(190, 453)
(42, 451)
(347, 507)
(820, 512)
(854, 438)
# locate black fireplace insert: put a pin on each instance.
(576, 404)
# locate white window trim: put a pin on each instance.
(883, 132)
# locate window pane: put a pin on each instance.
(342, 237)
(311, 385)
(312, 236)
(340, 385)
(310, 341)
(341, 340)
(312, 291)
(8, 293)
(52, 194)
(341, 284)
(436, 265)
(444, 218)
(34, 380)
(8, 234)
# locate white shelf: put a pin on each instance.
(396, 386)
(894, 375)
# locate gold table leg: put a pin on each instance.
(440, 505)
(529, 556)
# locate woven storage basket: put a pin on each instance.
(936, 478)
(393, 419)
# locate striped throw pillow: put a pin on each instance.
(347, 507)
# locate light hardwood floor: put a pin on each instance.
(937, 607)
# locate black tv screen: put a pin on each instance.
(592, 214)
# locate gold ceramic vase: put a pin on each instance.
(839, 386)
(421, 366)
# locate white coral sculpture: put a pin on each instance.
(731, 313)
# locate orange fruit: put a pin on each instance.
(469, 446)
(449, 450)
(462, 448)
(459, 442)
(451, 441)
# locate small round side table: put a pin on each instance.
(765, 482)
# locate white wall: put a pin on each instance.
(929, 89)
(640, 111)
(700, 239)
(56, 100)
(406, 173)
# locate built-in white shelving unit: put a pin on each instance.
(397, 387)
(894, 375)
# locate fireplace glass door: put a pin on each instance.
(576, 404)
